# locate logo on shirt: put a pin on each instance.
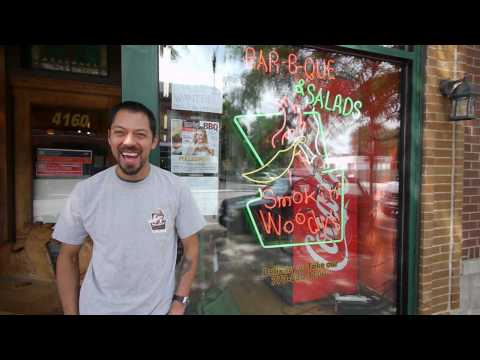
(158, 223)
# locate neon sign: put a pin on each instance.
(271, 63)
(322, 228)
(316, 97)
(318, 226)
(308, 218)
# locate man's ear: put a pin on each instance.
(108, 137)
(155, 142)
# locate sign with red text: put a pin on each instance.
(62, 162)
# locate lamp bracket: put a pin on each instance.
(448, 87)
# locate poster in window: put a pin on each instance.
(194, 147)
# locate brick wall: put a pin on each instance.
(469, 58)
(442, 171)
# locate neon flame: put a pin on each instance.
(294, 153)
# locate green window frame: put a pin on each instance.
(415, 67)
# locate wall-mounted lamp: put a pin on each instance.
(463, 95)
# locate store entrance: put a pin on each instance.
(59, 98)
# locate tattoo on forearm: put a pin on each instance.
(186, 265)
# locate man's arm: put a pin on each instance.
(188, 271)
(68, 278)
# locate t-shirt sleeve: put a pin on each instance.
(69, 228)
(189, 219)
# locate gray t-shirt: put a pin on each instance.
(134, 229)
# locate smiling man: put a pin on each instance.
(133, 212)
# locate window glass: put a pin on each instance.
(292, 156)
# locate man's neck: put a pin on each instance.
(141, 175)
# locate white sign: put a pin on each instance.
(200, 98)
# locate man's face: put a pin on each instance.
(131, 141)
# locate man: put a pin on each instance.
(133, 212)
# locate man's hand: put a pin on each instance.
(177, 308)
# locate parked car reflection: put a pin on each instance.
(231, 212)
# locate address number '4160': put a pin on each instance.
(77, 120)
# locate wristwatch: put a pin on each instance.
(181, 299)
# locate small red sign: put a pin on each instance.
(45, 168)
(62, 162)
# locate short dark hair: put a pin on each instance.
(135, 107)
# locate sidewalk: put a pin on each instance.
(19, 295)
(27, 281)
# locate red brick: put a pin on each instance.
(470, 208)
(475, 216)
(469, 243)
(437, 153)
(470, 156)
(472, 174)
(475, 148)
(475, 199)
(472, 140)
(474, 234)
(471, 191)
(470, 225)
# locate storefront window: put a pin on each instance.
(293, 156)
(69, 144)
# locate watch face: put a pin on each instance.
(181, 299)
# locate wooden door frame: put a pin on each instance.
(28, 91)
(5, 204)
